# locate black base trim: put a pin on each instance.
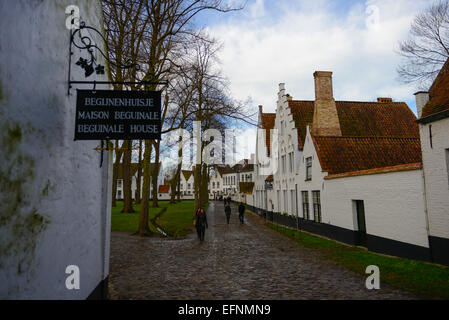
(374, 243)
(440, 250)
(101, 291)
(397, 248)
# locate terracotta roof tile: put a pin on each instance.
(339, 155)
(164, 189)
(438, 93)
(363, 119)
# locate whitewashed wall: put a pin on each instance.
(55, 197)
(436, 166)
(317, 181)
(394, 205)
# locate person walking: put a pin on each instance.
(201, 223)
(241, 212)
(228, 212)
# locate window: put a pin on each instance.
(218, 184)
(292, 201)
(308, 168)
(188, 186)
(182, 186)
(283, 164)
(285, 201)
(316, 206)
(119, 194)
(279, 200)
(119, 183)
(282, 127)
(447, 165)
(290, 160)
(213, 185)
(305, 204)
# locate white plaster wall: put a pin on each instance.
(317, 181)
(287, 143)
(436, 176)
(55, 197)
(394, 205)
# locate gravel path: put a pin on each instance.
(248, 261)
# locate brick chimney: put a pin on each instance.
(384, 100)
(325, 117)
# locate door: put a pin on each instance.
(361, 233)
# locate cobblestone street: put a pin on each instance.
(248, 261)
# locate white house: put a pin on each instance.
(263, 181)
(215, 183)
(433, 113)
(164, 192)
(348, 170)
(186, 186)
(230, 181)
(134, 168)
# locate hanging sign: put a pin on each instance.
(122, 115)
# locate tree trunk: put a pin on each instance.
(127, 192)
(139, 173)
(144, 228)
(115, 172)
(177, 178)
(156, 173)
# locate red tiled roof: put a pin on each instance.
(164, 189)
(268, 120)
(438, 93)
(269, 178)
(401, 167)
(361, 119)
(339, 155)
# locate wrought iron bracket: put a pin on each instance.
(90, 64)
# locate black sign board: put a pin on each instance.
(122, 115)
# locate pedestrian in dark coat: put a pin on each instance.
(201, 223)
(228, 212)
(241, 212)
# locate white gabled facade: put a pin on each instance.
(262, 197)
(215, 184)
(388, 201)
(187, 183)
(285, 178)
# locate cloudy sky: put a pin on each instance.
(270, 42)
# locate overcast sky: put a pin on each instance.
(270, 42)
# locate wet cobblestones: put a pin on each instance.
(248, 261)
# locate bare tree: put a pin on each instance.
(427, 48)
(149, 32)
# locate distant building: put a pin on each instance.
(134, 168)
